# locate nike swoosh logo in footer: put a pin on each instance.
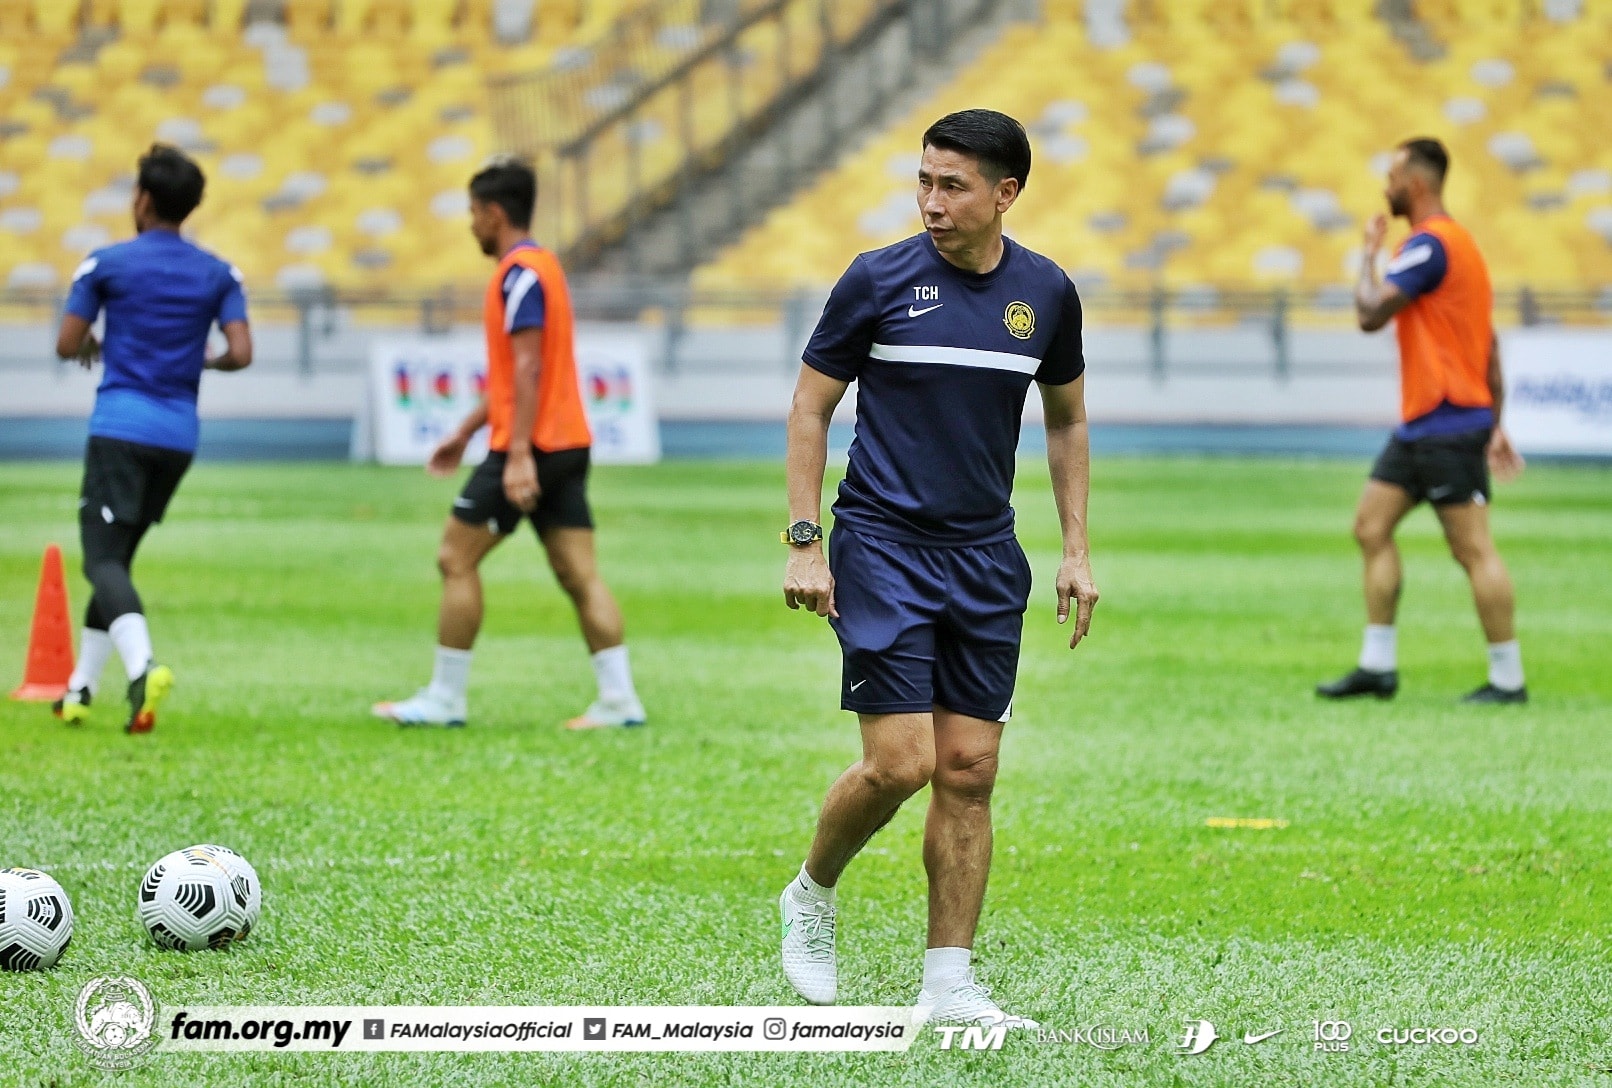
(1250, 1039)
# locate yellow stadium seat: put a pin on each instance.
(185, 12)
(54, 17)
(307, 18)
(138, 17)
(227, 16)
(433, 20)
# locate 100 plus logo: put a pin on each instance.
(1332, 1036)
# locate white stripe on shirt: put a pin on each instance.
(523, 283)
(925, 353)
(1410, 258)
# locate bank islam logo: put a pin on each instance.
(114, 1017)
(1199, 1037)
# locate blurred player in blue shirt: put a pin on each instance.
(161, 296)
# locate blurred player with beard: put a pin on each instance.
(1438, 295)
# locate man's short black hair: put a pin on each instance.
(1428, 152)
(995, 139)
(512, 185)
(172, 180)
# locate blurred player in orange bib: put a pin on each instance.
(536, 468)
(1437, 293)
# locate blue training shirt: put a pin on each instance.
(161, 295)
(1419, 268)
(944, 359)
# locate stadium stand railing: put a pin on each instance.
(626, 127)
(765, 327)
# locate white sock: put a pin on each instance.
(94, 651)
(1505, 665)
(133, 639)
(614, 673)
(810, 890)
(451, 676)
(945, 968)
(1379, 650)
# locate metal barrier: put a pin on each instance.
(321, 331)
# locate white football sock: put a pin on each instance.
(133, 639)
(810, 890)
(1505, 665)
(94, 651)
(451, 676)
(614, 674)
(1379, 650)
(945, 968)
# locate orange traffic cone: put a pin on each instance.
(50, 645)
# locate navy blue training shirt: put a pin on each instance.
(161, 295)
(1419, 268)
(943, 359)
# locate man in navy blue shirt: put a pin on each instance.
(161, 296)
(925, 584)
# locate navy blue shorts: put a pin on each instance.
(921, 626)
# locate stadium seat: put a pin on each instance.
(54, 17)
(138, 17)
(1243, 144)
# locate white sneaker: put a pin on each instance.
(967, 1003)
(609, 715)
(808, 946)
(424, 707)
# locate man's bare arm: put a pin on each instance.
(75, 341)
(520, 470)
(1376, 302)
(806, 578)
(238, 348)
(1497, 380)
(1069, 460)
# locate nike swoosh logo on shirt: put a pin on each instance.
(858, 684)
(913, 311)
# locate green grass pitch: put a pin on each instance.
(1441, 866)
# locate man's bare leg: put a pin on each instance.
(897, 760)
(576, 567)
(443, 700)
(1382, 507)
(957, 833)
(459, 560)
(898, 756)
(1466, 528)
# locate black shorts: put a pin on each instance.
(127, 482)
(1444, 469)
(921, 627)
(562, 477)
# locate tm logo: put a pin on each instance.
(989, 1034)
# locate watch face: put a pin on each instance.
(804, 532)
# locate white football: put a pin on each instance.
(244, 883)
(36, 920)
(187, 901)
